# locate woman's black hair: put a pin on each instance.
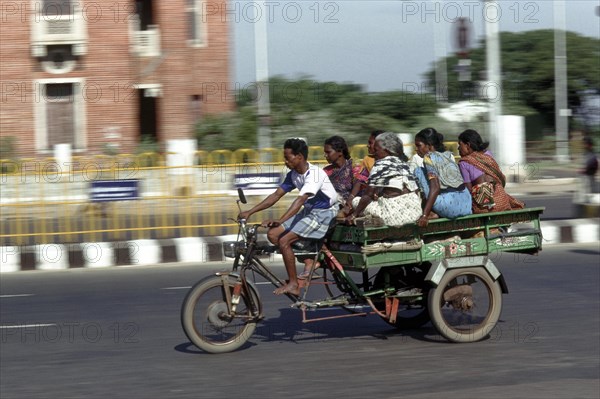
(432, 137)
(473, 139)
(298, 146)
(339, 144)
(376, 133)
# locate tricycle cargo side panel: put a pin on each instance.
(529, 242)
(356, 261)
(442, 239)
(435, 228)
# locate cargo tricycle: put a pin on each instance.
(408, 276)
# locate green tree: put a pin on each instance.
(228, 131)
(314, 110)
(399, 107)
(528, 71)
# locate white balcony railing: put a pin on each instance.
(146, 43)
(58, 29)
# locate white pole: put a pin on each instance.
(562, 112)
(261, 60)
(441, 68)
(494, 80)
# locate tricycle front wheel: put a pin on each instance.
(207, 320)
(466, 304)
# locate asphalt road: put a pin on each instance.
(116, 333)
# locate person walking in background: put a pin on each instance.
(440, 180)
(590, 166)
(482, 175)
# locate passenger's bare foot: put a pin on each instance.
(308, 266)
(289, 288)
(433, 215)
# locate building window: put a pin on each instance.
(59, 114)
(196, 23)
(57, 7)
(196, 108)
(145, 14)
(60, 118)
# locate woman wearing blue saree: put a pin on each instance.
(440, 180)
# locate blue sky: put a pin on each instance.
(383, 45)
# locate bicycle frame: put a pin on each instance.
(246, 251)
(247, 260)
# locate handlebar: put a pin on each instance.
(247, 231)
(243, 222)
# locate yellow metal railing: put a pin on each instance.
(43, 202)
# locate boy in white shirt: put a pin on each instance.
(309, 216)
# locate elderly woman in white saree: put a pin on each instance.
(392, 193)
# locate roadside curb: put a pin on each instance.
(202, 249)
(110, 254)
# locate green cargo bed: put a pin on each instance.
(359, 248)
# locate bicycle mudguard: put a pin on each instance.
(437, 270)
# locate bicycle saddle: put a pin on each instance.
(307, 245)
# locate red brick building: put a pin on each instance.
(98, 74)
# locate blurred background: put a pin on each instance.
(126, 127)
(178, 103)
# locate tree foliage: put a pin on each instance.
(314, 110)
(527, 64)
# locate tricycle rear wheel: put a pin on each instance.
(466, 304)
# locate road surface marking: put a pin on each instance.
(15, 295)
(27, 326)
(187, 288)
